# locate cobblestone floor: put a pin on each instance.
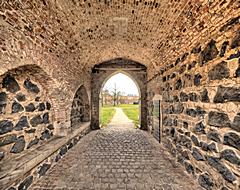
(117, 157)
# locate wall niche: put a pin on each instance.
(80, 112)
(25, 111)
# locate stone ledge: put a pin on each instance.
(14, 169)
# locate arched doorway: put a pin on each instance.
(120, 91)
(80, 112)
(103, 71)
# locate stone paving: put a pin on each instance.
(117, 157)
(120, 120)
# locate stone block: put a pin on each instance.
(23, 122)
(219, 72)
(197, 155)
(204, 96)
(30, 108)
(218, 119)
(36, 120)
(221, 168)
(205, 181)
(8, 139)
(19, 145)
(197, 79)
(33, 142)
(227, 94)
(209, 53)
(236, 41)
(232, 139)
(213, 135)
(17, 107)
(10, 84)
(31, 87)
(6, 126)
(230, 156)
(43, 169)
(21, 97)
(26, 183)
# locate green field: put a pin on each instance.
(106, 115)
(131, 111)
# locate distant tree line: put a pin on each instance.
(115, 97)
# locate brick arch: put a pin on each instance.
(80, 110)
(103, 71)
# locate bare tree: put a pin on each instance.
(115, 94)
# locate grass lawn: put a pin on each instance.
(107, 114)
(131, 111)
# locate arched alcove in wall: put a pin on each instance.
(80, 112)
(103, 71)
(26, 114)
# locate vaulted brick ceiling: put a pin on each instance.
(82, 33)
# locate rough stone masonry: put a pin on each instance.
(191, 52)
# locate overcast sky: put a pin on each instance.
(123, 83)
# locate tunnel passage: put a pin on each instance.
(80, 112)
(192, 53)
(103, 71)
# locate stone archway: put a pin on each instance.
(80, 112)
(101, 73)
(133, 80)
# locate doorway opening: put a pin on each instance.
(104, 71)
(119, 100)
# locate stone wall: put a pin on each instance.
(201, 108)
(32, 125)
(39, 118)
(25, 112)
(33, 174)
